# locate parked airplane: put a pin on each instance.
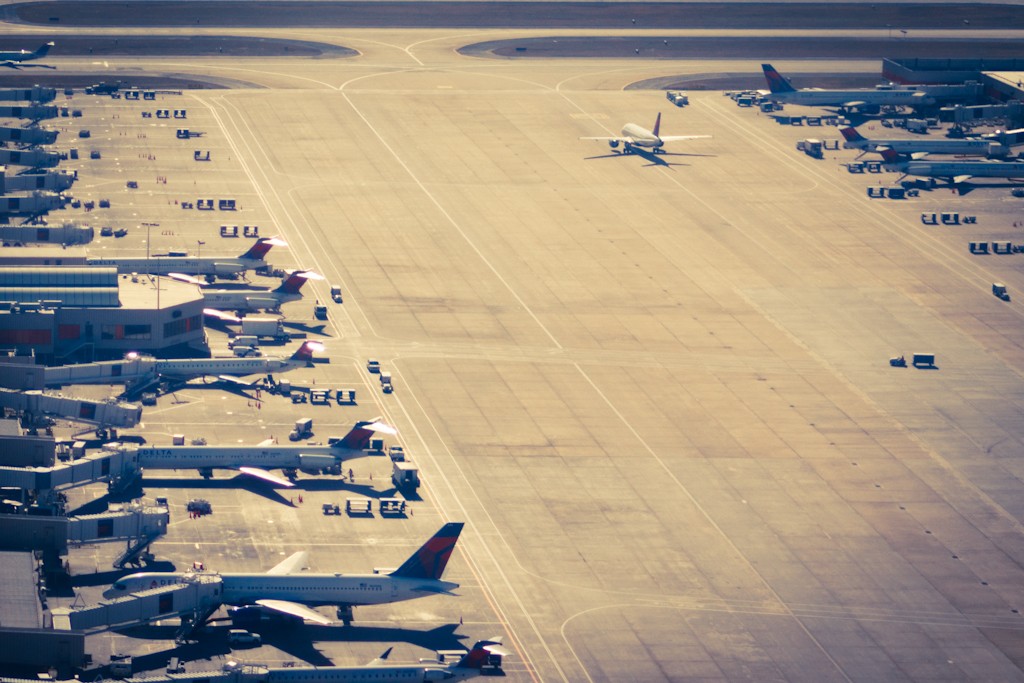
(859, 99)
(965, 146)
(137, 368)
(634, 137)
(259, 300)
(210, 266)
(954, 172)
(284, 590)
(14, 59)
(485, 653)
(256, 460)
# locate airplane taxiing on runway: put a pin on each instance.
(286, 591)
(635, 137)
(14, 59)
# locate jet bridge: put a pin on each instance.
(193, 600)
(107, 413)
(136, 525)
(105, 372)
(115, 466)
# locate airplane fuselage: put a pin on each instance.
(839, 98)
(303, 457)
(164, 265)
(306, 589)
(640, 136)
(247, 300)
(958, 169)
(188, 368)
(912, 146)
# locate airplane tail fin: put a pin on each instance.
(890, 156)
(430, 560)
(777, 83)
(293, 283)
(359, 437)
(305, 352)
(853, 135)
(43, 49)
(263, 245)
(481, 654)
(657, 126)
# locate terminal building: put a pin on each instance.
(71, 313)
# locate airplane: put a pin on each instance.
(136, 368)
(953, 172)
(966, 146)
(210, 266)
(256, 460)
(260, 300)
(14, 59)
(861, 99)
(484, 653)
(285, 591)
(636, 138)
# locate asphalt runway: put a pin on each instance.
(655, 389)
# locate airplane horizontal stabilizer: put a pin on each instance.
(296, 562)
(961, 179)
(295, 610)
(437, 589)
(265, 476)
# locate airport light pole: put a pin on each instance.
(148, 242)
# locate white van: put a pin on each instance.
(239, 636)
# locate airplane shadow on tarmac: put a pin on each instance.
(297, 641)
(654, 159)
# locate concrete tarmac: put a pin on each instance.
(657, 390)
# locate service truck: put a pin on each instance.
(263, 327)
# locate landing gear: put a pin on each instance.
(627, 148)
(345, 614)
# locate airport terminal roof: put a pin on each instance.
(57, 277)
(18, 591)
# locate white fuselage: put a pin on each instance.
(264, 457)
(956, 169)
(638, 136)
(912, 146)
(246, 300)
(164, 265)
(305, 589)
(200, 367)
(839, 98)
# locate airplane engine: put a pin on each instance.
(225, 268)
(316, 463)
(614, 144)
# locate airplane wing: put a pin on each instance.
(383, 659)
(676, 138)
(617, 138)
(961, 179)
(295, 610)
(265, 443)
(264, 475)
(181, 277)
(234, 380)
(295, 562)
(221, 315)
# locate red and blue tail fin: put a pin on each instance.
(657, 126)
(483, 652)
(777, 83)
(891, 156)
(359, 437)
(852, 135)
(293, 283)
(263, 245)
(430, 560)
(305, 352)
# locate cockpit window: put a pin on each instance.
(119, 586)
